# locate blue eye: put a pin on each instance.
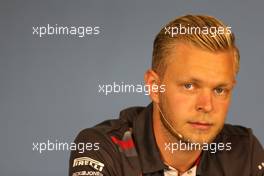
(188, 86)
(219, 90)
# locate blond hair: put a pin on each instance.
(195, 30)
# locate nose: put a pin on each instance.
(204, 101)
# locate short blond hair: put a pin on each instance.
(194, 35)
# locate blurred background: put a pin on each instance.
(49, 85)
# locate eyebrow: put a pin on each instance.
(198, 81)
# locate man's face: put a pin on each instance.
(198, 91)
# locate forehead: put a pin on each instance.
(185, 61)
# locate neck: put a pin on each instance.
(182, 160)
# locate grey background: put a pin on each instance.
(49, 86)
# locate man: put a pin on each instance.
(182, 132)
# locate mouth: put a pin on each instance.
(201, 125)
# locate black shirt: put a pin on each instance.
(127, 147)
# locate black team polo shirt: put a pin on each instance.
(127, 147)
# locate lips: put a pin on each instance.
(201, 125)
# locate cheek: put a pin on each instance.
(221, 108)
(180, 104)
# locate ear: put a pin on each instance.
(152, 80)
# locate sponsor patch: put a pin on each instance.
(86, 161)
(83, 173)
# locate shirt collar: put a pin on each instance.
(148, 152)
(172, 171)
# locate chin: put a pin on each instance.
(200, 138)
(203, 137)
